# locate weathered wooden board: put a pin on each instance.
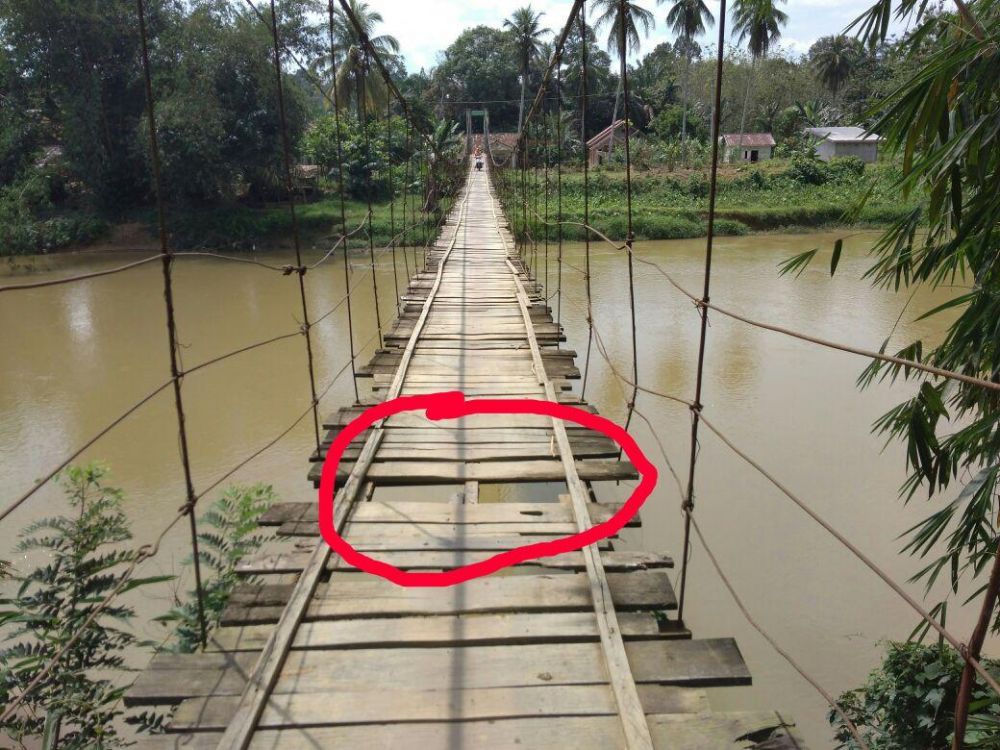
(367, 596)
(365, 707)
(448, 630)
(619, 561)
(434, 513)
(445, 472)
(171, 678)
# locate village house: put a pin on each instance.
(502, 145)
(849, 141)
(748, 147)
(599, 146)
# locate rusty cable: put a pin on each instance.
(586, 191)
(290, 189)
(168, 298)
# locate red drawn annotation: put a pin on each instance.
(453, 405)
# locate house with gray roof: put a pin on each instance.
(849, 141)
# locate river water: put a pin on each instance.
(75, 356)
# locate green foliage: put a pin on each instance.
(372, 166)
(942, 120)
(228, 532)
(908, 702)
(30, 224)
(82, 562)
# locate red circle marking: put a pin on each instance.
(452, 405)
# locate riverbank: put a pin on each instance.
(777, 195)
(233, 227)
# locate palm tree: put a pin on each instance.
(688, 19)
(758, 23)
(356, 77)
(833, 61)
(624, 19)
(525, 26)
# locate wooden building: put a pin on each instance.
(748, 147)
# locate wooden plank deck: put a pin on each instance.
(578, 650)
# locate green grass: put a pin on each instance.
(764, 197)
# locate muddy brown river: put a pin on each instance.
(74, 356)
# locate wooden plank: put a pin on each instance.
(430, 631)
(405, 511)
(171, 678)
(669, 732)
(619, 561)
(365, 707)
(362, 596)
(445, 472)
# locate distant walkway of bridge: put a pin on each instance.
(574, 651)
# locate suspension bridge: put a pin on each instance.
(584, 648)
(577, 649)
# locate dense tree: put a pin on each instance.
(218, 109)
(525, 27)
(688, 19)
(627, 24)
(82, 59)
(480, 68)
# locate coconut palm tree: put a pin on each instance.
(758, 23)
(357, 78)
(833, 60)
(526, 27)
(624, 19)
(688, 19)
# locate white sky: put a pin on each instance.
(425, 27)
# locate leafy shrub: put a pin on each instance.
(229, 532)
(908, 702)
(807, 170)
(85, 562)
(846, 168)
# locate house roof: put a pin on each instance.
(753, 140)
(844, 135)
(306, 171)
(602, 138)
(507, 140)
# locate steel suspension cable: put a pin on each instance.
(545, 151)
(392, 198)
(584, 101)
(630, 234)
(290, 189)
(559, 196)
(340, 191)
(172, 342)
(362, 104)
(406, 194)
(696, 407)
